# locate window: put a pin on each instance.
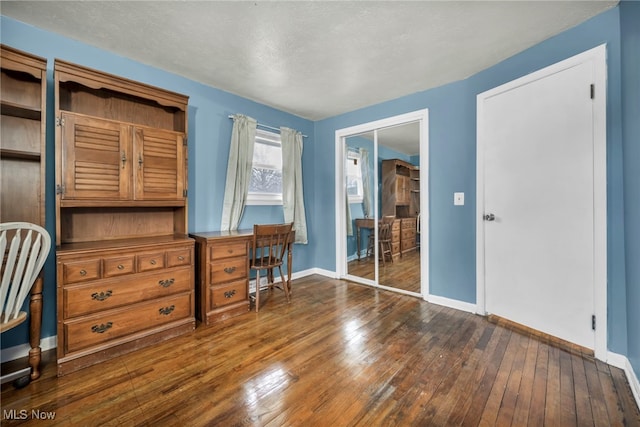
(265, 185)
(354, 177)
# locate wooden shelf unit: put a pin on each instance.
(401, 199)
(121, 225)
(23, 84)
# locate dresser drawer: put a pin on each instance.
(408, 234)
(228, 294)
(228, 269)
(179, 257)
(409, 223)
(107, 294)
(229, 250)
(118, 266)
(150, 261)
(408, 244)
(90, 331)
(395, 225)
(395, 247)
(81, 271)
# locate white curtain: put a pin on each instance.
(366, 183)
(292, 195)
(238, 171)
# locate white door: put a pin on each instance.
(538, 165)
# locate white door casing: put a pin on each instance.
(541, 170)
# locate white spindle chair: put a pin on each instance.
(22, 260)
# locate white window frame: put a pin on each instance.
(351, 156)
(254, 198)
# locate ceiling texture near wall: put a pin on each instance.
(314, 59)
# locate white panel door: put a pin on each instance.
(539, 185)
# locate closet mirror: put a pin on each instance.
(381, 191)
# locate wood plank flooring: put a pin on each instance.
(340, 354)
(402, 273)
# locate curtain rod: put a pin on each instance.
(271, 127)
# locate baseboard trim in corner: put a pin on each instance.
(311, 271)
(622, 362)
(633, 382)
(452, 303)
(22, 350)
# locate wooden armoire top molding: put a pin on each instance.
(22, 61)
(68, 72)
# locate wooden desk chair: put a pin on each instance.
(384, 240)
(22, 261)
(270, 243)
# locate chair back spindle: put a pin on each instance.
(22, 261)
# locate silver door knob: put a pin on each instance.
(489, 217)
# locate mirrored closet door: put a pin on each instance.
(383, 207)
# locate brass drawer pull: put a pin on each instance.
(166, 283)
(152, 262)
(120, 267)
(101, 329)
(230, 294)
(83, 272)
(180, 258)
(102, 295)
(229, 270)
(165, 311)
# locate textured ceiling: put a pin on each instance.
(313, 59)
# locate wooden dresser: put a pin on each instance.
(125, 275)
(408, 230)
(222, 274)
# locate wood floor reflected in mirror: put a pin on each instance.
(403, 273)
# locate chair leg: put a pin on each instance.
(285, 285)
(257, 290)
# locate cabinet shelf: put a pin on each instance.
(19, 155)
(18, 110)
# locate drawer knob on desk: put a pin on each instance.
(100, 329)
(83, 272)
(165, 311)
(230, 294)
(229, 270)
(180, 258)
(152, 262)
(166, 283)
(120, 267)
(102, 295)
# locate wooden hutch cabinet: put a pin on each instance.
(125, 275)
(401, 199)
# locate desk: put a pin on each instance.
(222, 273)
(368, 223)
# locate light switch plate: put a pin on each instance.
(458, 199)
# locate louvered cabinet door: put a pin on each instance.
(96, 159)
(159, 164)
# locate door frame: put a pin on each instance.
(599, 60)
(422, 117)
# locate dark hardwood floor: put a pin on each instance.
(340, 354)
(403, 273)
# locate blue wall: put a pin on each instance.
(209, 136)
(452, 165)
(630, 30)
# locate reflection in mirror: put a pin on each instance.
(359, 185)
(395, 190)
(399, 202)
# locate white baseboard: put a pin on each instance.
(322, 272)
(452, 303)
(22, 350)
(622, 362)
